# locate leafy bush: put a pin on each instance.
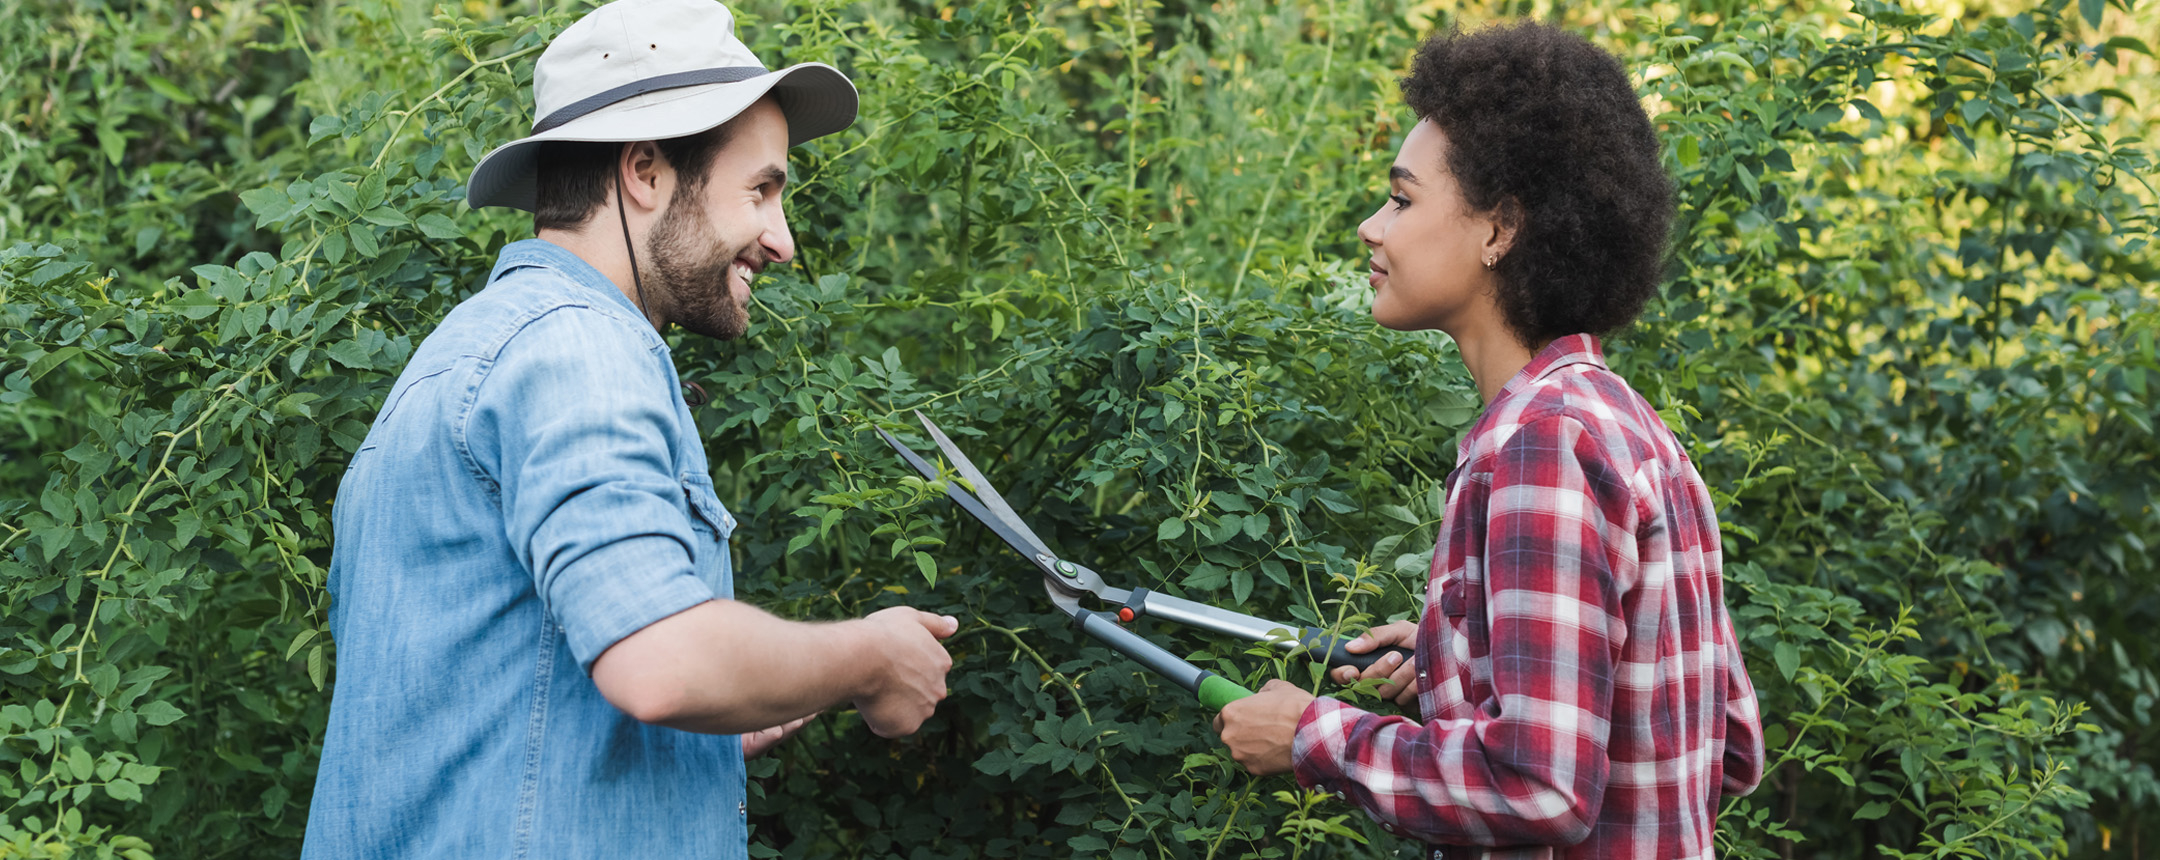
(1909, 338)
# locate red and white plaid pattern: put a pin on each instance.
(1581, 684)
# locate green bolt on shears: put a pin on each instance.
(1068, 583)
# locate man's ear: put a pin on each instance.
(1507, 222)
(639, 171)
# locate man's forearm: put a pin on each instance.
(726, 667)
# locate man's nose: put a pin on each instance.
(779, 244)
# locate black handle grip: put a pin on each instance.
(1323, 648)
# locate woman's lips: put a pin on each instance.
(1378, 274)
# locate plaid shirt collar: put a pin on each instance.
(1562, 352)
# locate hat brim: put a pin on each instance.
(816, 99)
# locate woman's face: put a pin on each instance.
(1428, 248)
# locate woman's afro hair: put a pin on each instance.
(1544, 129)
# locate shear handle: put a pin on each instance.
(1214, 691)
(1313, 641)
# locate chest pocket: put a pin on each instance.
(713, 525)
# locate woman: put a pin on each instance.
(1581, 689)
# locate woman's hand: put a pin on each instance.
(1400, 673)
(757, 743)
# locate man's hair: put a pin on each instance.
(1545, 131)
(577, 177)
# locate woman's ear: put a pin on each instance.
(638, 173)
(1505, 221)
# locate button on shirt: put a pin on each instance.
(1582, 689)
(533, 491)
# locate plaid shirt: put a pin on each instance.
(1581, 684)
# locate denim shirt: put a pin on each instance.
(533, 491)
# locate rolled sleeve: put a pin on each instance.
(575, 423)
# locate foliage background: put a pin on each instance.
(1909, 337)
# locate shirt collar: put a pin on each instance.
(541, 253)
(1562, 352)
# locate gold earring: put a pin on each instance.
(1490, 260)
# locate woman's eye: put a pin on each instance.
(1401, 202)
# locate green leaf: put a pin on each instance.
(112, 143)
(195, 305)
(2092, 10)
(1170, 529)
(160, 713)
(268, 204)
(1872, 810)
(1787, 656)
(371, 190)
(345, 195)
(299, 642)
(168, 89)
(324, 126)
(363, 240)
(924, 563)
(103, 679)
(353, 354)
(2129, 43)
(438, 226)
(1401, 513)
(123, 726)
(50, 360)
(123, 790)
(385, 216)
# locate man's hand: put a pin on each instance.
(914, 678)
(1401, 674)
(1258, 729)
(760, 742)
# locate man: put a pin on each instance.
(1579, 680)
(538, 655)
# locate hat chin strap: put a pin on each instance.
(693, 393)
(637, 285)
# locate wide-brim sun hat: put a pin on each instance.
(653, 70)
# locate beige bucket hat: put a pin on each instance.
(653, 70)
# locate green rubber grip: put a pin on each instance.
(1216, 691)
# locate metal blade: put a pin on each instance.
(1022, 541)
(981, 485)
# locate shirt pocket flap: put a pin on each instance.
(705, 504)
(1453, 603)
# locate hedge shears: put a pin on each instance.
(1069, 583)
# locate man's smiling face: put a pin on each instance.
(715, 237)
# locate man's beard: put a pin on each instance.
(693, 274)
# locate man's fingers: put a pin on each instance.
(1360, 645)
(940, 626)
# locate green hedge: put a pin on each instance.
(1908, 338)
